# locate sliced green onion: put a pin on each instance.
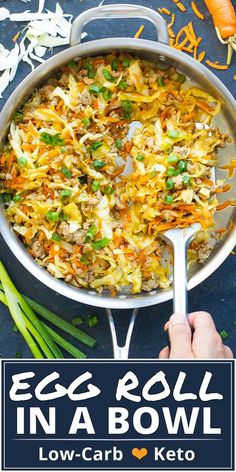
(66, 172)
(123, 85)
(6, 197)
(22, 161)
(56, 237)
(160, 82)
(115, 64)
(16, 198)
(108, 190)
(172, 159)
(171, 171)
(186, 179)
(95, 88)
(90, 69)
(77, 321)
(63, 216)
(53, 216)
(181, 78)
(106, 74)
(153, 173)
(72, 64)
(84, 260)
(126, 62)
(86, 121)
(224, 334)
(107, 94)
(18, 355)
(92, 320)
(65, 193)
(119, 143)
(92, 231)
(18, 117)
(98, 164)
(95, 186)
(168, 199)
(170, 184)
(173, 134)
(140, 157)
(182, 166)
(127, 106)
(101, 243)
(96, 145)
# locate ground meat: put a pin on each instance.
(68, 278)
(181, 150)
(63, 230)
(85, 98)
(78, 237)
(178, 180)
(150, 285)
(38, 250)
(204, 249)
(169, 215)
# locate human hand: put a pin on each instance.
(194, 337)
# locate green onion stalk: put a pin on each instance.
(42, 340)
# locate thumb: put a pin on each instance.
(180, 337)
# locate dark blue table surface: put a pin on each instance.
(217, 294)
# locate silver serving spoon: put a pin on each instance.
(179, 240)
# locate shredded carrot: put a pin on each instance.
(128, 147)
(227, 187)
(191, 29)
(181, 31)
(171, 32)
(16, 36)
(188, 49)
(164, 10)
(196, 11)
(139, 32)
(223, 15)
(216, 66)
(172, 20)
(221, 230)
(182, 44)
(223, 205)
(181, 6)
(201, 56)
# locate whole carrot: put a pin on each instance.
(224, 18)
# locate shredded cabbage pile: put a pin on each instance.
(89, 201)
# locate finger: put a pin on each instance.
(180, 337)
(166, 326)
(228, 352)
(164, 353)
(201, 320)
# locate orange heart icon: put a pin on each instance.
(139, 453)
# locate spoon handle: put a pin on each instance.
(180, 239)
(180, 286)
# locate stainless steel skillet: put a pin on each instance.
(161, 53)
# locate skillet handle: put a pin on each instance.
(121, 352)
(119, 11)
